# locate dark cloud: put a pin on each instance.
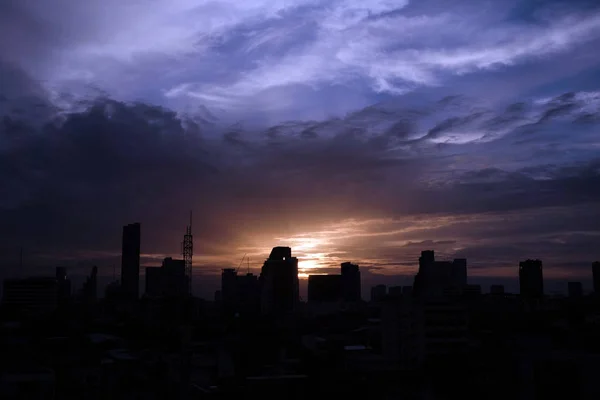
(70, 183)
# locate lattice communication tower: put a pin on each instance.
(188, 253)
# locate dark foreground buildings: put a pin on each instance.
(168, 280)
(30, 295)
(444, 339)
(130, 262)
(324, 288)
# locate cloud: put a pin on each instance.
(373, 187)
(310, 57)
(400, 52)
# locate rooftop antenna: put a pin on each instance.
(188, 253)
(21, 259)
(248, 266)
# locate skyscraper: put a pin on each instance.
(596, 274)
(64, 285)
(229, 288)
(90, 287)
(248, 293)
(279, 282)
(351, 287)
(130, 261)
(531, 280)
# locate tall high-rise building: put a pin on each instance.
(248, 293)
(130, 262)
(531, 280)
(229, 288)
(90, 287)
(279, 282)
(63, 285)
(350, 283)
(596, 274)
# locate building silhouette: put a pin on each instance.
(324, 288)
(279, 289)
(430, 323)
(395, 291)
(531, 280)
(331, 288)
(36, 295)
(416, 332)
(350, 282)
(472, 290)
(575, 289)
(596, 276)
(130, 262)
(239, 293)
(439, 278)
(378, 293)
(497, 289)
(89, 291)
(63, 285)
(229, 289)
(168, 280)
(248, 294)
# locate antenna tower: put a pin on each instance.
(188, 253)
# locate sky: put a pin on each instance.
(349, 130)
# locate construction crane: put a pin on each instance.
(240, 264)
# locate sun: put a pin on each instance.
(308, 264)
(310, 250)
(308, 267)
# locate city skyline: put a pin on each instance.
(456, 271)
(349, 131)
(227, 199)
(208, 274)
